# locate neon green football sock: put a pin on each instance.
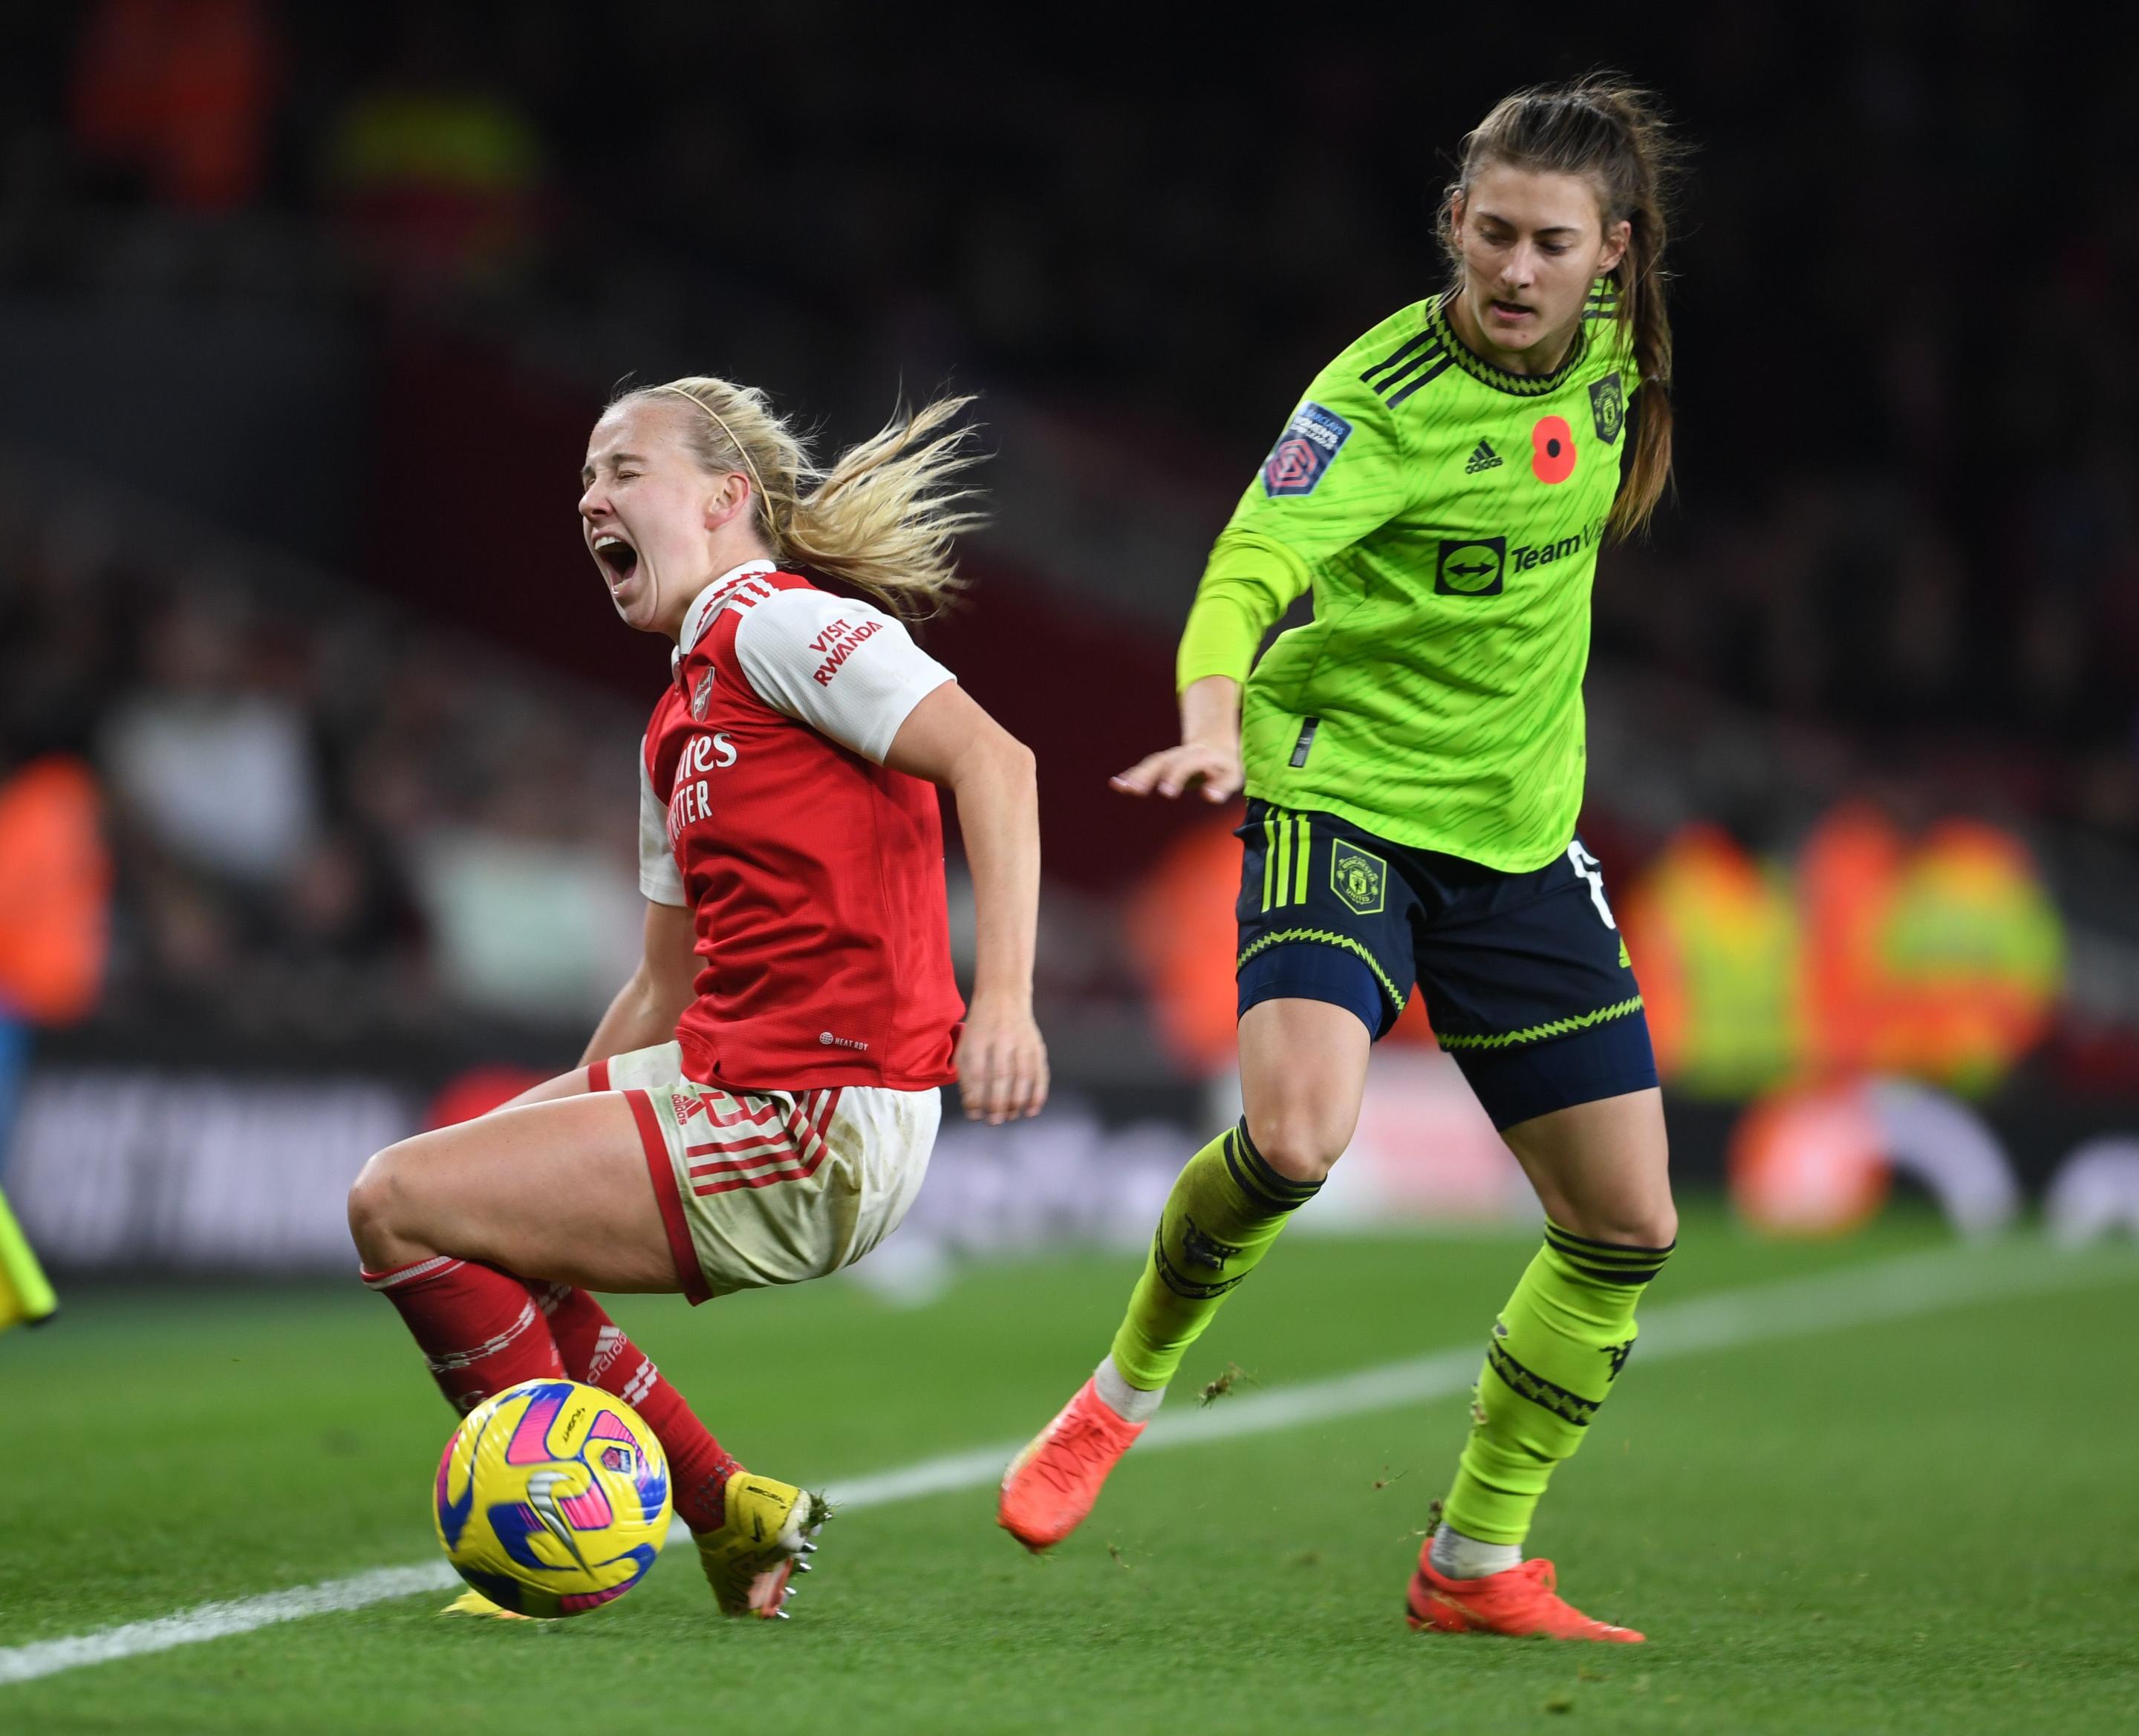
(1227, 1208)
(1555, 1351)
(25, 1294)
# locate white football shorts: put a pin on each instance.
(769, 1187)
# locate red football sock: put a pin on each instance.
(596, 1351)
(475, 1325)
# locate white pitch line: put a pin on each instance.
(213, 1620)
(1915, 1284)
(1895, 1289)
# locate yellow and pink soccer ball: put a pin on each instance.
(552, 1498)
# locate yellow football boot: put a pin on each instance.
(767, 1533)
(474, 1603)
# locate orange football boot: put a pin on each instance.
(1521, 1602)
(1051, 1485)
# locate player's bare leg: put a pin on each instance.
(1303, 1068)
(556, 1190)
(1600, 1170)
(1603, 1169)
(559, 1188)
(576, 1084)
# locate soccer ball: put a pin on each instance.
(552, 1497)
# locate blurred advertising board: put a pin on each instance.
(119, 1170)
(114, 1169)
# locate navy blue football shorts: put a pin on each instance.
(1526, 979)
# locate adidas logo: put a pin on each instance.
(1483, 458)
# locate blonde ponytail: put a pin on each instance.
(883, 518)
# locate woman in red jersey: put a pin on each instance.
(758, 1104)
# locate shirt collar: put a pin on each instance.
(1521, 385)
(700, 614)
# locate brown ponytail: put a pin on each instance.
(1605, 128)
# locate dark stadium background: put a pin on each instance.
(305, 312)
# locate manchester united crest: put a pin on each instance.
(1608, 408)
(1357, 878)
(702, 695)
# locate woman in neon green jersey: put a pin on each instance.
(1413, 762)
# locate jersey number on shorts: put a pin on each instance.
(1586, 866)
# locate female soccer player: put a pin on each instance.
(1413, 763)
(758, 1104)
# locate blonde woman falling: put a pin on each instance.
(758, 1104)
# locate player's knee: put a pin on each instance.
(1630, 1226)
(1301, 1143)
(377, 1207)
(1659, 1228)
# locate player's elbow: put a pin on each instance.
(1021, 765)
(996, 760)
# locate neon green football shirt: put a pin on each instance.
(1447, 516)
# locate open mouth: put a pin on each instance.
(617, 555)
(1509, 309)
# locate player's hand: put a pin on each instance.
(1002, 1060)
(1193, 765)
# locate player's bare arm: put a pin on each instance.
(1209, 757)
(950, 740)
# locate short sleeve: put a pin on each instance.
(845, 668)
(659, 877)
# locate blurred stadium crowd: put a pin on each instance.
(292, 292)
(1908, 436)
(309, 803)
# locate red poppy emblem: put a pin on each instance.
(1552, 449)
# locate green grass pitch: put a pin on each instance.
(1920, 1524)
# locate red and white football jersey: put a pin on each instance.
(814, 872)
